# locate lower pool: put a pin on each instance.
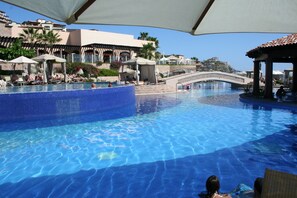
(168, 148)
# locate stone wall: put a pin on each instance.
(107, 78)
(172, 68)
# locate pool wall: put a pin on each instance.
(55, 104)
(267, 103)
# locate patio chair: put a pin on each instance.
(279, 185)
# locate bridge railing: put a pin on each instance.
(204, 76)
(211, 76)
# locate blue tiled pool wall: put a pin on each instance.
(58, 104)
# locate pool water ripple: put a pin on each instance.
(166, 150)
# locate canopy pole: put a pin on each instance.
(137, 76)
(64, 71)
(44, 72)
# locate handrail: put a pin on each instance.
(204, 76)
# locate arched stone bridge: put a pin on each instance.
(207, 76)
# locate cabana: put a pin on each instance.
(47, 60)
(145, 69)
(282, 50)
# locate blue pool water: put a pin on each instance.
(168, 148)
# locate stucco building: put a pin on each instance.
(76, 45)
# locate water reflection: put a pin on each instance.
(149, 104)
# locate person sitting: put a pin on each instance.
(213, 187)
(244, 191)
(280, 94)
(258, 185)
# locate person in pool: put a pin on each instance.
(213, 187)
(93, 86)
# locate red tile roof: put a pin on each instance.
(287, 40)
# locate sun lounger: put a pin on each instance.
(279, 185)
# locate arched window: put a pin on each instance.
(107, 56)
(124, 56)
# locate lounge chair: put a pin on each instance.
(279, 185)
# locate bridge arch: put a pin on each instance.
(208, 76)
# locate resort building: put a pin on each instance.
(76, 45)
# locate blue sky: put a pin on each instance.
(229, 48)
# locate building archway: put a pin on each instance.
(124, 56)
(107, 56)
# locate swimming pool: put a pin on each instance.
(52, 87)
(166, 149)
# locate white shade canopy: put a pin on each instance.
(193, 16)
(22, 60)
(164, 59)
(139, 61)
(46, 57)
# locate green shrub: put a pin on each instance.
(115, 65)
(73, 68)
(108, 72)
(99, 63)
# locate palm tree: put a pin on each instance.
(147, 51)
(155, 40)
(31, 36)
(143, 36)
(49, 38)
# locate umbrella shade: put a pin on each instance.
(193, 16)
(46, 57)
(22, 60)
(2, 61)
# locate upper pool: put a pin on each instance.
(52, 87)
(166, 148)
(65, 101)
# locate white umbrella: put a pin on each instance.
(193, 16)
(22, 60)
